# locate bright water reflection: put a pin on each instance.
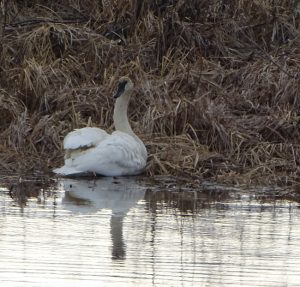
(116, 232)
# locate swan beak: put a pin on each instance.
(120, 89)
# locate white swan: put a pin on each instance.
(92, 150)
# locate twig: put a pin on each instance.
(30, 22)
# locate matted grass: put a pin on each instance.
(216, 83)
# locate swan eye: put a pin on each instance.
(120, 89)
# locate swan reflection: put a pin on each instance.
(118, 195)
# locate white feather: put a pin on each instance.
(118, 154)
(85, 137)
(67, 170)
(92, 150)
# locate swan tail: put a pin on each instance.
(66, 170)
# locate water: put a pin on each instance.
(118, 232)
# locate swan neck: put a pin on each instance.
(120, 114)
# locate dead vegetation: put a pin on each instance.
(217, 82)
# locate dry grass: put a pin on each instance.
(217, 83)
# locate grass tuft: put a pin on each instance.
(217, 83)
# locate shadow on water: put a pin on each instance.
(21, 190)
(159, 232)
(88, 195)
(115, 195)
(119, 195)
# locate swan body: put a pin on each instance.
(85, 137)
(93, 150)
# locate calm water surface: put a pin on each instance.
(120, 232)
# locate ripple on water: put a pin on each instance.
(96, 233)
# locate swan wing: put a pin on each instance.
(118, 154)
(85, 137)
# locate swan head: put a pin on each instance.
(124, 85)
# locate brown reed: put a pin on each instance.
(217, 83)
